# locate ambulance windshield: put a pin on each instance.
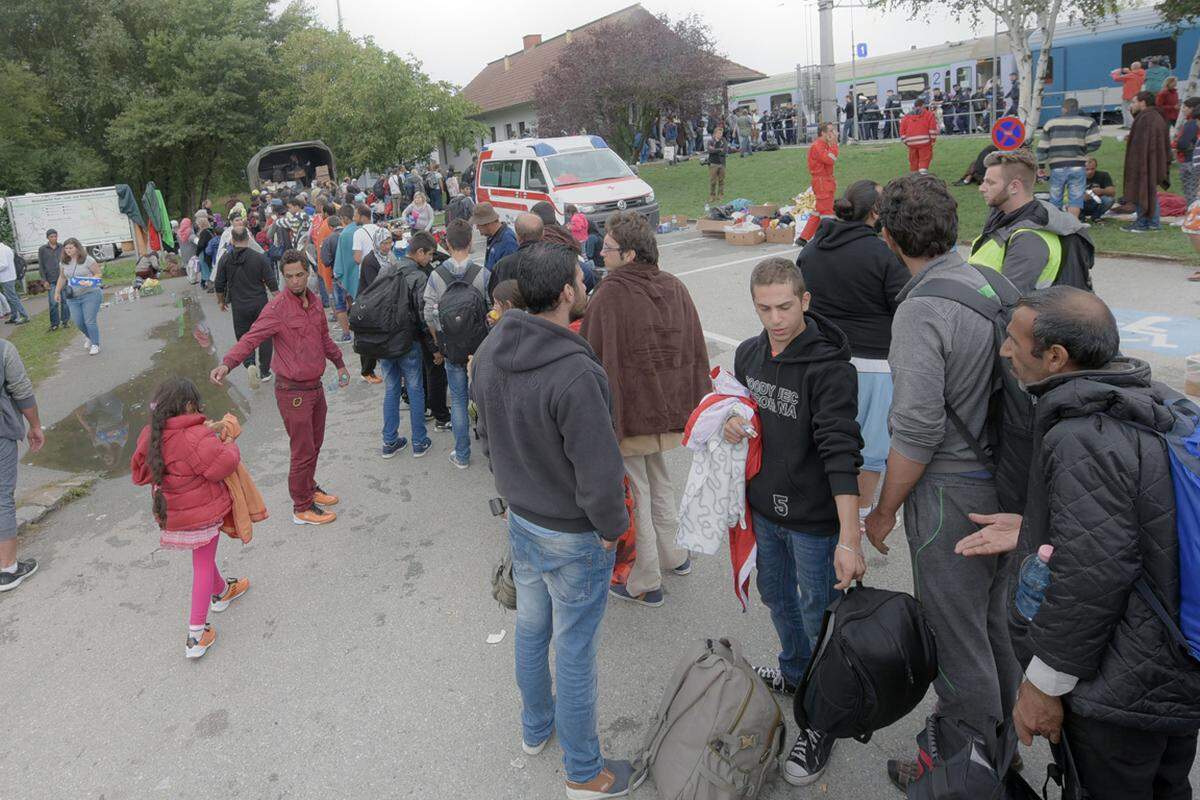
(585, 167)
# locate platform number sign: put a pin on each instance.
(860, 50)
(1008, 133)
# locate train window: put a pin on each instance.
(779, 99)
(962, 76)
(910, 87)
(1140, 51)
(868, 89)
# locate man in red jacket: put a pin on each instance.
(918, 130)
(821, 158)
(295, 321)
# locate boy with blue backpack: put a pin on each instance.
(1112, 655)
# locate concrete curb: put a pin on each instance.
(35, 504)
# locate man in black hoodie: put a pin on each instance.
(805, 497)
(244, 276)
(546, 428)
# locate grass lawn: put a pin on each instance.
(777, 177)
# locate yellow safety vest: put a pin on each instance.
(991, 254)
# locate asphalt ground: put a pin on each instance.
(357, 666)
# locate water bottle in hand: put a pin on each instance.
(1034, 578)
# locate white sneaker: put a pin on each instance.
(94, 350)
(253, 376)
(535, 749)
(87, 344)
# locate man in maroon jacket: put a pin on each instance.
(295, 321)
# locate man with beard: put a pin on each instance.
(545, 426)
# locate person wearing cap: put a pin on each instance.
(500, 238)
(49, 256)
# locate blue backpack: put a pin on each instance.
(1183, 449)
(210, 250)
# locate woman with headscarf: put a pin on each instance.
(204, 234)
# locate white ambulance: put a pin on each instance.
(577, 170)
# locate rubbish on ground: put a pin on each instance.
(496, 638)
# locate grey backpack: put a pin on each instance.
(718, 732)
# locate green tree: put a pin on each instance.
(1177, 15)
(372, 107)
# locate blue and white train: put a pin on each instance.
(1082, 58)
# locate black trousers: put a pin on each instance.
(368, 364)
(435, 387)
(1117, 763)
(243, 319)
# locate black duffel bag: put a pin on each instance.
(875, 659)
(968, 760)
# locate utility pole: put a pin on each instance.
(828, 63)
(339, 13)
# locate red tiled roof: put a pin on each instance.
(496, 88)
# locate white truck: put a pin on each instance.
(93, 216)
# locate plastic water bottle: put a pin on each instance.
(1034, 578)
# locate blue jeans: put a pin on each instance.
(788, 560)
(745, 145)
(17, 309)
(1150, 220)
(84, 309)
(60, 314)
(1068, 181)
(456, 378)
(411, 368)
(562, 591)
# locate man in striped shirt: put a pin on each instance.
(1064, 147)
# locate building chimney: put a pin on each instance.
(570, 36)
(507, 64)
(530, 41)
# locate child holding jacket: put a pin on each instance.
(185, 459)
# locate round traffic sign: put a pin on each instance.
(1008, 133)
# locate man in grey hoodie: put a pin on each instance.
(545, 425)
(941, 356)
(17, 406)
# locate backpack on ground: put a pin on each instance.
(875, 659)
(718, 731)
(967, 760)
(381, 318)
(1005, 446)
(462, 313)
(1183, 452)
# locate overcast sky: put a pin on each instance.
(455, 39)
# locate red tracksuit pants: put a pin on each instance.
(824, 190)
(302, 407)
(919, 156)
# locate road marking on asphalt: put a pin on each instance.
(701, 238)
(785, 251)
(716, 337)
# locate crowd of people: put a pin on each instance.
(958, 111)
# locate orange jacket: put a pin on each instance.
(1132, 82)
(919, 129)
(319, 233)
(821, 158)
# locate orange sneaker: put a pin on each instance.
(314, 515)
(322, 499)
(234, 588)
(198, 647)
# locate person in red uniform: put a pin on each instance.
(821, 158)
(918, 130)
(295, 320)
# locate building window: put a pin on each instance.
(1143, 50)
(521, 127)
(493, 133)
(508, 130)
(910, 87)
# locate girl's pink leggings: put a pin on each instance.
(206, 580)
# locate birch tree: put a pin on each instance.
(1026, 21)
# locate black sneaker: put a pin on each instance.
(902, 772)
(11, 580)
(809, 757)
(775, 680)
(442, 426)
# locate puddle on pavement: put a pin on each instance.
(101, 435)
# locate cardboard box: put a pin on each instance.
(781, 234)
(322, 173)
(746, 237)
(713, 227)
(764, 210)
(679, 220)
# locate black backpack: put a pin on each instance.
(1078, 258)
(462, 313)
(1007, 446)
(874, 662)
(433, 180)
(382, 319)
(21, 266)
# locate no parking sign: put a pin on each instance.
(1008, 133)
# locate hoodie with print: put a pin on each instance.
(807, 400)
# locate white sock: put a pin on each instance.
(195, 632)
(10, 569)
